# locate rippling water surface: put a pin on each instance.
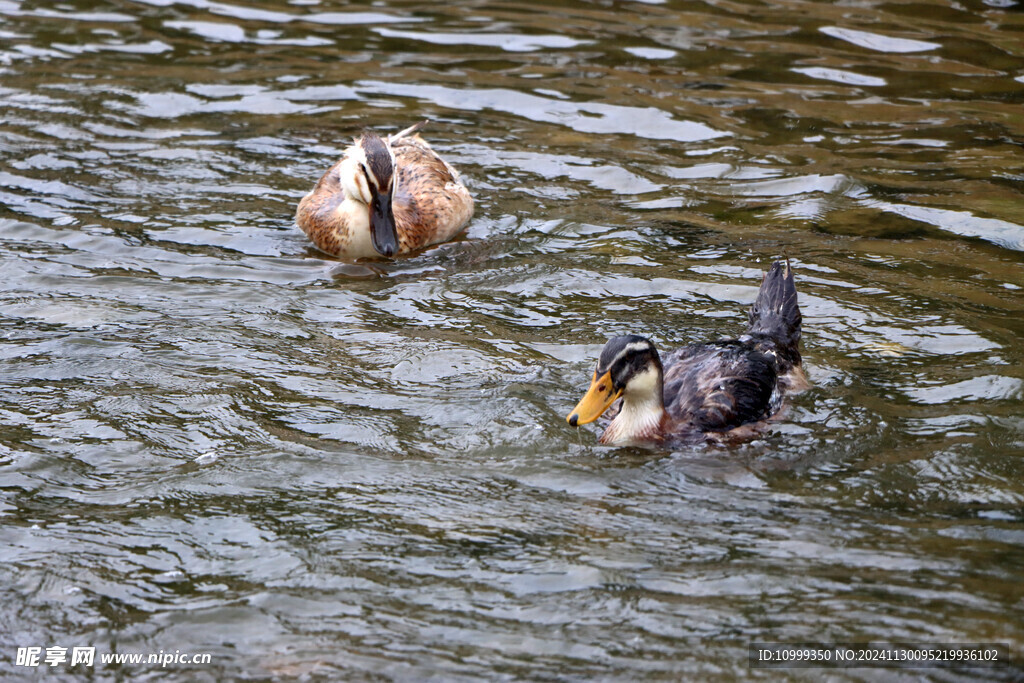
(214, 439)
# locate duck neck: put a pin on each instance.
(643, 411)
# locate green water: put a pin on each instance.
(215, 440)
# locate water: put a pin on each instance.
(216, 440)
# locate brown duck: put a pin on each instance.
(718, 390)
(385, 196)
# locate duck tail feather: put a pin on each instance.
(775, 314)
(411, 130)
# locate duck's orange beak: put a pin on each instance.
(598, 398)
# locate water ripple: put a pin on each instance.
(215, 439)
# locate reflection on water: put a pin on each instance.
(217, 440)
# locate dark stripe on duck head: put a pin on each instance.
(627, 356)
(379, 166)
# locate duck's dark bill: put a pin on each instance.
(597, 400)
(383, 232)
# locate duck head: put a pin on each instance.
(369, 176)
(629, 368)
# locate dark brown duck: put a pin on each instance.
(710, 390)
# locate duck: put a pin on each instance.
(385, 196)
(714, 391)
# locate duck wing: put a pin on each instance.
(431, 204)
(720, 385)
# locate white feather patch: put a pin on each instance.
(642, 410)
